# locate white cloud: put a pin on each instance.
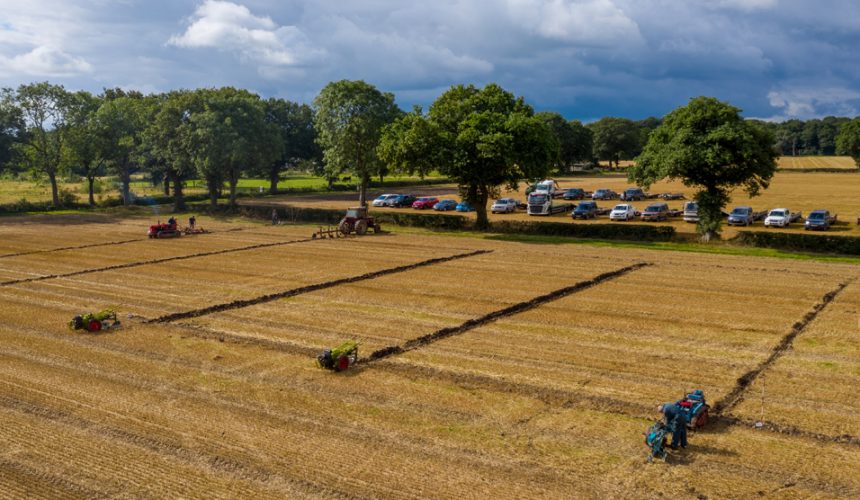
(586, 22)
(747, 5)
(813, 102)
(46, 61)
(232, 27)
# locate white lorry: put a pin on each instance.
(543, 203)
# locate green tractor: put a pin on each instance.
(340, 358)
(95, 322)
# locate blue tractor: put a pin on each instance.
(695, 409)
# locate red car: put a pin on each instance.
(425, 202)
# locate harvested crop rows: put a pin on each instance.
(540, 393)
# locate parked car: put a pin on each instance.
(622, 212)
(585, 210)
(382, 199)
(819, 219)
(401, 200)
(504, 205)
(691, 212)
(633, 194)
(656, 211)
(741, 216)
(445, 205)
(780, 217)
(604, 194)
(464, 207)
(425, 202)
(574, 194)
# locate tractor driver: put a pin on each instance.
(171, 221)
(676, 423)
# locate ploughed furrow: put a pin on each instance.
(42, 483)
(151, 261)
(238, 304)
(78, 247)
(727, 403)
(791, 430)
(502, 313)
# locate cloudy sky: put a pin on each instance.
(583, 58)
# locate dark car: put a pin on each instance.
(574, 194)
(402, 200)
(656, 211)
(585, 210)
(445, 205)
(425, 202)
(633, 194)
(819, 219)
(604, 194)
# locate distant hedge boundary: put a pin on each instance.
(818, 243)
(630, 232)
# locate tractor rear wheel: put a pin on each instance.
(703, 419)
(360, 227)
(344, 227)
(94, 325)
(342, 363)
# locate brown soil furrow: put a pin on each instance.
(736, 395)
(78, 247)
(151, 261)
(60, 486)
(501, 313)
(237, 304)
(790, 430)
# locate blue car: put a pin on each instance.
(464, 207)
(445, 205)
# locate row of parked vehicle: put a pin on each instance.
(420, 203)
(819, 219)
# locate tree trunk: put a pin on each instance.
(55, 194)
(330, 183)
(91, 179)
(234, 181)
(480, 200)
(125, 178)
(213, 195)
(166, 184)
(362, 190)
(274, 176)
(178, 197)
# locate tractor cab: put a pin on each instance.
(356, 213)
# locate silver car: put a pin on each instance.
(504, 205)
(381, 200)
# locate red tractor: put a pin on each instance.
(168, 230)
(357, 221)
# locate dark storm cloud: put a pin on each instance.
(585, 58)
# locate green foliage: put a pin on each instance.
(411, 144)
(349, 119)
(848, 141)
(44, 108)
(296, 142)
(706, 144)
(118, 125)
(819, 243)
(615, 139)
(12, 128)
(484, 138)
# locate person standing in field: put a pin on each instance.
(674, 419)
(191, 222)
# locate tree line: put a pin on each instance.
(482, 138)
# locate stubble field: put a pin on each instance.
(489, 368)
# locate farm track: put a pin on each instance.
(238, 304)
(735, 396)
(501, 313)
(151, 261)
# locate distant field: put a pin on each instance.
(549, 402)
(801, 162)
(12, 191)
